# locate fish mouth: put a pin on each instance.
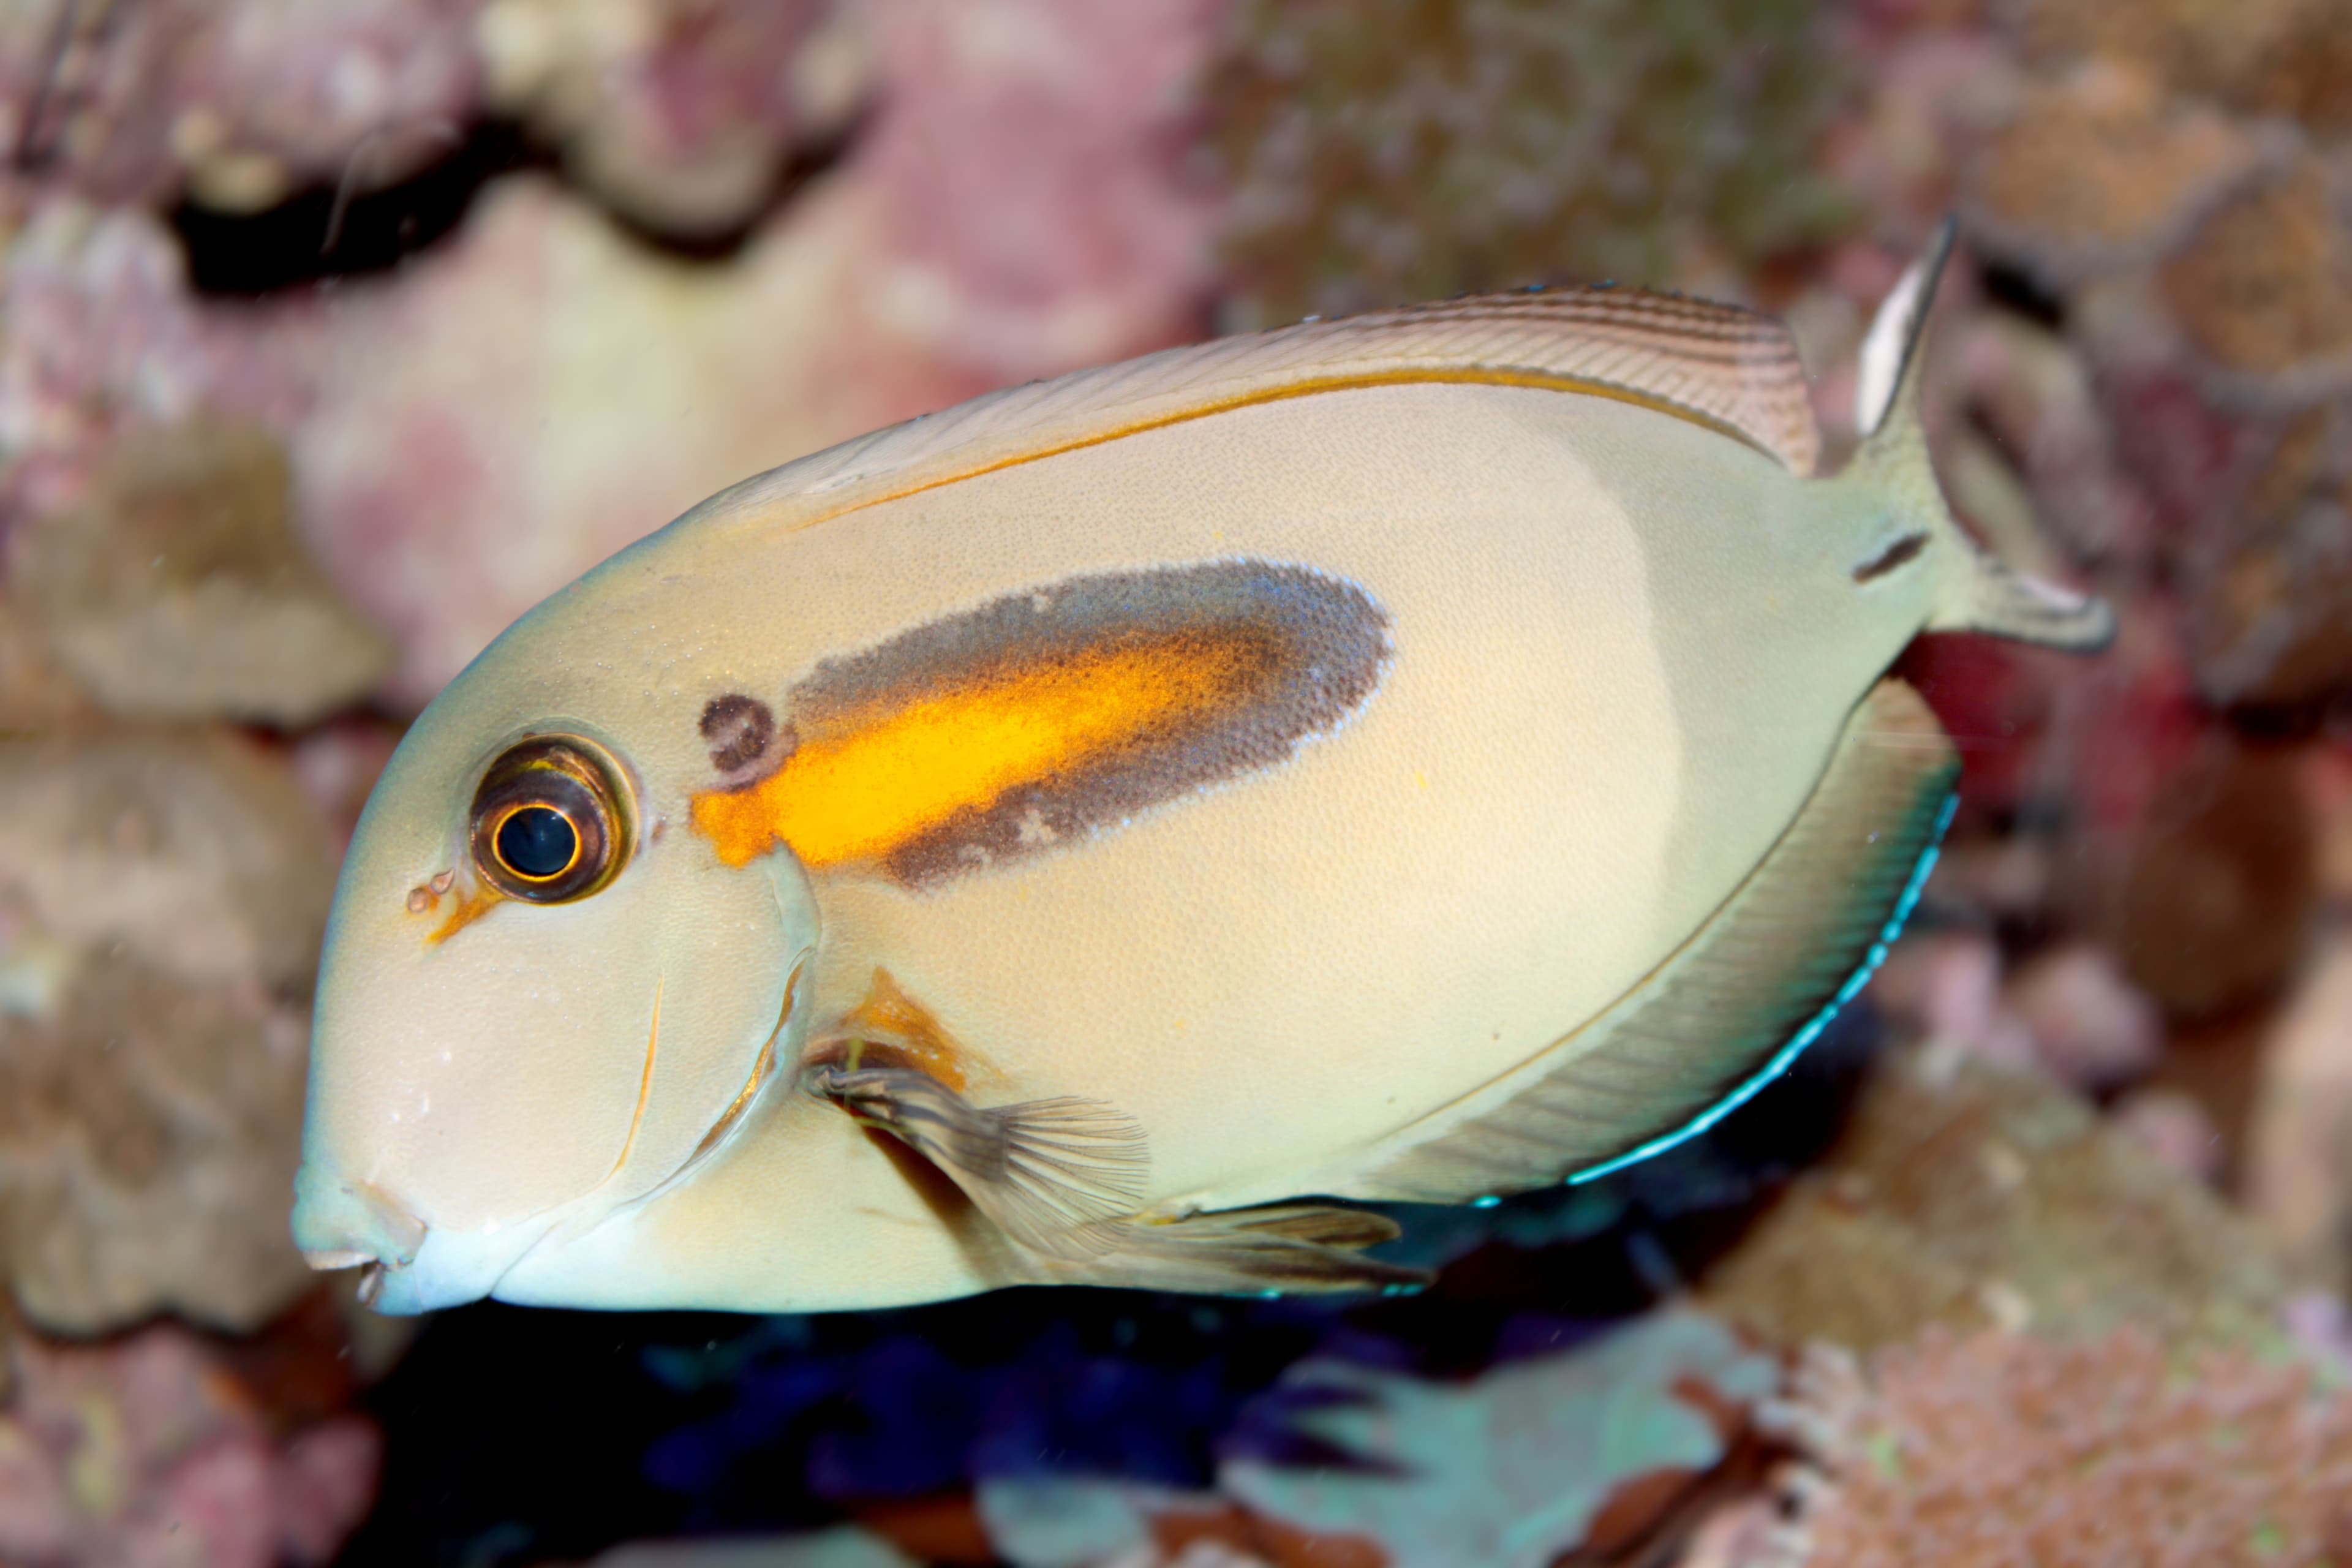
(372, 1270)
(328, 1261)
(357, 1225)
(334, 1261)
(342, 1223)
(371, 1285)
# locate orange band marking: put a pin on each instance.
(883, 779)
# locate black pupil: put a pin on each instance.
(537, 841)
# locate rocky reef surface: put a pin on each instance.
(334, 335)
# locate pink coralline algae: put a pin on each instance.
(1044, 209)
(234, 104)
(146, 1454)
(102, 336)
(544, 389)
(682, 114)
(2002, 1448)
(2068, 1010)
(476, 429)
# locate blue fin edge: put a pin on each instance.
(1782, 1059)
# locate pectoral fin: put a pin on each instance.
(1062, 1179)
(1043, 1170)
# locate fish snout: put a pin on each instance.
(341, 1224)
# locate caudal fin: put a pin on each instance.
(1978, 592)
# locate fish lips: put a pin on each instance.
(448, 1269)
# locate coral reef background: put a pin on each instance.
(333, 334)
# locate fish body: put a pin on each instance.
(1418, 757)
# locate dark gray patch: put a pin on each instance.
(1896, 555)
(1312, 650)
(739, 732)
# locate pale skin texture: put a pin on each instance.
(1623, 644)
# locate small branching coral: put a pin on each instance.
(2005, 1448)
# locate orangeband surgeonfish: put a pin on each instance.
(1418, 756)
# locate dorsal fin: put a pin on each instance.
(1730, 1009)
(1890, 359)
(1725, 368)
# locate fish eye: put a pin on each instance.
(550, 822)
(537, 843)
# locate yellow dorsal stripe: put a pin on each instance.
(1537, 379)
(876, 785)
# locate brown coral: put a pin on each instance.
(2002, 1448)
(195, 852)
(147, 1147)
(178, 590)
(2272, 57)
(162, 899)
(2299, 1143)
(1969, 1194)
(2269, 619)
(2214, 891)
(2264, 288)
(2099, 168)
(1381, 151)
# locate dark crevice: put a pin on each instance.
(2014, 289)
(324, 231)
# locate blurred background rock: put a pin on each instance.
(334, 333)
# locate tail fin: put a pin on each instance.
(1978, 593)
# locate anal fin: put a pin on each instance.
(1731, 1008)
(1061, 1180)
(1277, 1249)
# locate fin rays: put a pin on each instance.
(1063, 1178)
(1042, 1171)
(1726, 368)
(1978, 592)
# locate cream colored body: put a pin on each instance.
(1623, 643)
(1562, 772)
